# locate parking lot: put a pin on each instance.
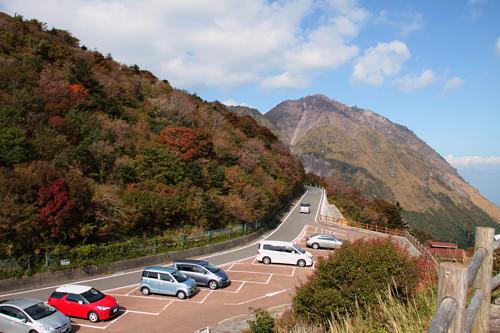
(253, 285)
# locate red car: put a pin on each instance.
(84, 302)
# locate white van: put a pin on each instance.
(283, 253)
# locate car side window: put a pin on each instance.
(197, 269)
(16, 313)
(152, 275)
(74, 298)
(7, 310)
(289, 249)
(268, 247)
(166, 277)
(57, 294)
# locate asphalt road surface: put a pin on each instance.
(290, 229)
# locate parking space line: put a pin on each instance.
(254, 299)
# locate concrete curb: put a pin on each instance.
(65, 276)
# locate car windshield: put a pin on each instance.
(179, 276)
(93, 295)
(298, 249)
(40, 310)
(212, 268)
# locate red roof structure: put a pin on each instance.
(446, 251)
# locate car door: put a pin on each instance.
(76, 306)
(188, 270)
(167, 284)
(153, 282)
(200, 275)
(16, 320)
(291, 256)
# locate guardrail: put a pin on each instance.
(385, 230)
(453, 314)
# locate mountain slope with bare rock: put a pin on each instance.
(385, 160)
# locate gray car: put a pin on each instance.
(328, 241)
(203, 272)
(29, 315)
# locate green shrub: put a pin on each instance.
(263, 323)
(352, 277)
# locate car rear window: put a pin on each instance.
(40, 310)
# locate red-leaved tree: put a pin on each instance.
(189, 143)
(56, 207)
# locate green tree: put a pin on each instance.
(14, 147)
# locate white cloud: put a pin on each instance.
(200, 44)
(378, 62)
(498, 45)
(452, 85)
(285, 80)
(408, 83)
(404, 21)
(474, 162)
(232, 102)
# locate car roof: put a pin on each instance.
(322, 234)
(160, 269)
(73, 288)
(21, 302)
(191, 261)
(273, 242)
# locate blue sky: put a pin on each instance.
(432, 66)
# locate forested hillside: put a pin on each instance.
(93, 151)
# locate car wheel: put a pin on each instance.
(315, 246)
(93, 317)
(145, 291)
(266, 260)
(33, 331)
(212, 284)
(301, 263)
(181, 294)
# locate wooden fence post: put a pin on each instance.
(484, 239)
(453, 284)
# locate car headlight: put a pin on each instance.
(103, 307)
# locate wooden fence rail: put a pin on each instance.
(453, 314)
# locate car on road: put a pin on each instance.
(283, 253)
(84, 302)
(305, 207)
(168, 281)
(203, 272)
(328, 241)
(26, 314)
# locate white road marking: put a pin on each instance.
(254, 299)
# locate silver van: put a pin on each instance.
(203, 272)
(166, 280)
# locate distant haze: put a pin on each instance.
(487, 182)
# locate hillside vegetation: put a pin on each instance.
(93, 151)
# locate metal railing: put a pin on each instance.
(453, 314)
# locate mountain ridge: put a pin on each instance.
(385, 160)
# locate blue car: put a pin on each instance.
(168, 281)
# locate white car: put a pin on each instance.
(305, 207)
(283, 253)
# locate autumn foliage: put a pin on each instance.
(94, 151)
